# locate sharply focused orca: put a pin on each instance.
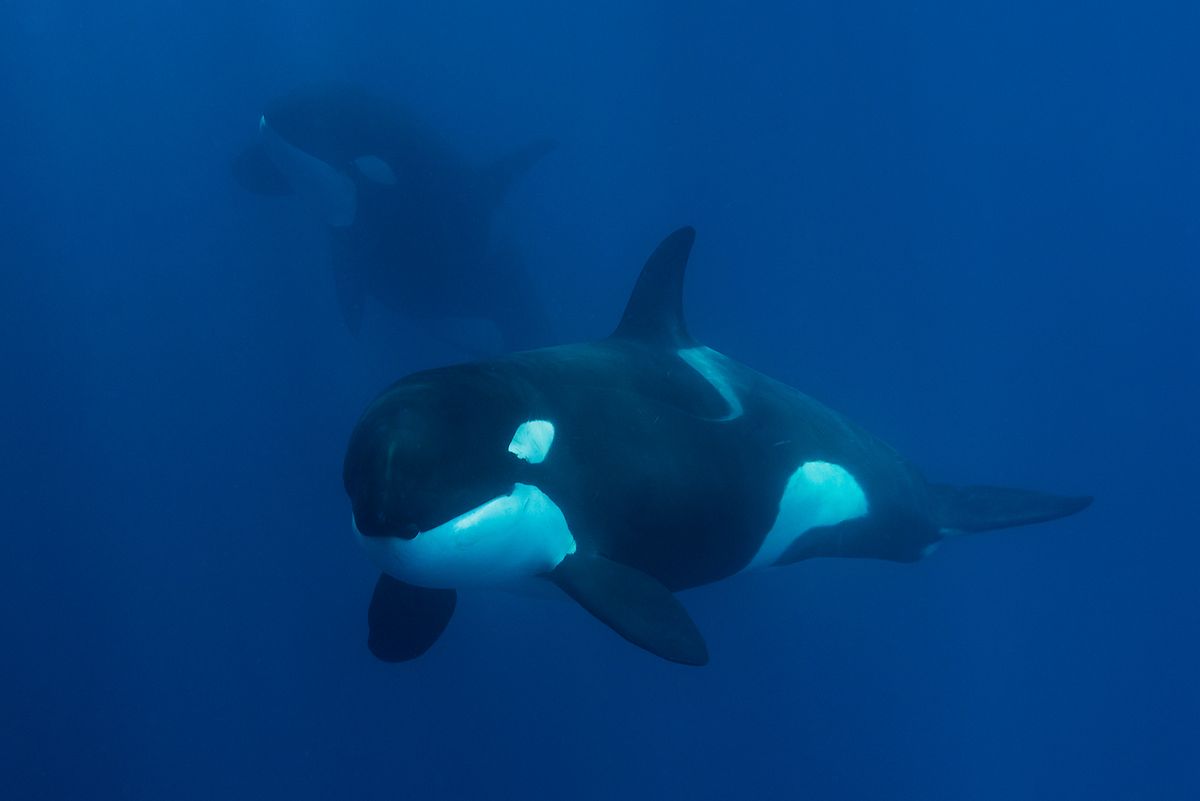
(410, 221)
(623, 471)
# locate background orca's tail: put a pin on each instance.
(970, 509)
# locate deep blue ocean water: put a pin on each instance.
(972, 227)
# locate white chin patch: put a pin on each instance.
(508, 539)
(817, 494)
(709, 364)
(532, 441)
(328, 190)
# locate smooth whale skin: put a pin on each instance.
(410, 221)
(628, 469)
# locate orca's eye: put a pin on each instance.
(532, 441)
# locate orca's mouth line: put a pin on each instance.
(457, 522)
(509, 538)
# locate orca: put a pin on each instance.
(623, 471)
(409, 220)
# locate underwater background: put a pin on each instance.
(974, 228)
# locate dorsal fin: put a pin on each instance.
(501, 175)
(655, 309)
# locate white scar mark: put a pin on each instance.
(707, 363)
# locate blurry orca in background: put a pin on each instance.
(409, 219)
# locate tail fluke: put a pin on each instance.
(971, 509)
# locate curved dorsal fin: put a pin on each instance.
(655, 309)
(500, 176)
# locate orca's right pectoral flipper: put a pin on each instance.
(405, 620)
(255, 172)
(633, 604)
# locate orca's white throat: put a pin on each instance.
(501, 542)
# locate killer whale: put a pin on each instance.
(409, 220)
(623, 471)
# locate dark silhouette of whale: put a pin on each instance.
(625, 470)
(409, 220)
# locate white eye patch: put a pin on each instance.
(376, 169)
(532, 441)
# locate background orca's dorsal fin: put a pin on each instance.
(655, 309)
(500, 175)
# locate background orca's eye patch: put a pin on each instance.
(376, 169)
(532, 441)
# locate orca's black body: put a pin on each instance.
(418, 237)
(651, 464)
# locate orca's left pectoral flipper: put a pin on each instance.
(349, 281)
(634, 605)
(405, 620)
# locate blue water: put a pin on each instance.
(972, 227)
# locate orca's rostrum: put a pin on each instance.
(623, 471)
